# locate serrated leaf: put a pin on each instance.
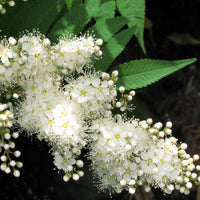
(31, 15)
(92, 7)
(106, 28)
(100, 8)
(134, 10)
(107, 10)
(73, 22)
(140, 73)
(113, 48)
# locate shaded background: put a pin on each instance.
(172, 32)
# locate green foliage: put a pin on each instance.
(115, 21)
(72, 22)
(106, 28)
(100, 16)
(100, 8)
(140, 73)
(30, 15)
(113, 48)
(134, 10)
(106, 10)
(69, 4)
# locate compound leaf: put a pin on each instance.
(140, 73)
(113, 48)
(106, 28)
(134, 10)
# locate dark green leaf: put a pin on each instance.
(38, 14)
(73, 22)
(106, 28)
(113, 48)
(134, 10)
(69, 4)
(140, 73)
(100, 8)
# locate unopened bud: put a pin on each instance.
(99, 42)
(12, 41)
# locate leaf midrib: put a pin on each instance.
(140, 73)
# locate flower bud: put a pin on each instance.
(81, 173)
(12, 41)
(15, 96)
(46, 42)
(132, 190)
(11, 3)
(19, 164)
(99, 42)
(149, 121)
(122, 89)
(196, 157)
(16, 173)
(79, 163)
(169, 124)
(7, 136)
(184, 146)
(17, 153)
(12, 163)
(123, 182)
(189, 185)
(15, 135)
(66, 178)
(3, 158)
(115, 73)
(75, 177)
(7, 170)
(132, 93)
(118, 104)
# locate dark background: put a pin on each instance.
(173, 32)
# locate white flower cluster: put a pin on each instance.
(69, 105)
(7, 147)
(11, 3)
(33, 54)
(128, 154)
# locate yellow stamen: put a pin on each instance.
(65, 125)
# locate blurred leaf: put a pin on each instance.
(183, 39)
(113, 48)
(106, 28)
(30, 15)
(69, 4)
(92, 7)
(140, 73)
(73, 22)
(134, 10)
(148, 24)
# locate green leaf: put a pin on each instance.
(31, 15)
(107, 10)
(106, 28)
(92, 7)
(69, 4)
(100, 8)
(140, 73)
(134, 10)
(73, 22)
(113, 48)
